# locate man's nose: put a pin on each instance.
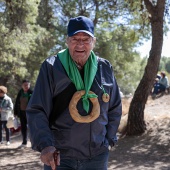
(80, 41)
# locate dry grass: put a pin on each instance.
(125, 109)
(125, 105)
(155, 111)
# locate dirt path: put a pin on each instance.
(151, 151)
(14, 158)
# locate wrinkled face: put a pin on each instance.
(25, 86)
(80, 46)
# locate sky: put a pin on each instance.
(144, 49)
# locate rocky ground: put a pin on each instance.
(151, 151)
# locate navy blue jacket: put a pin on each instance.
(49, 119)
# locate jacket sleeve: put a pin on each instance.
(9, 106)
(114, 112)
(39, 109)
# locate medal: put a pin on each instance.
(105, 97)
(74, 112)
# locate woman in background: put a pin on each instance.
(6, 106)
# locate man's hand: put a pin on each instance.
(50, 157)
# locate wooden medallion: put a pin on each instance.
(105, 97)
(74, 112)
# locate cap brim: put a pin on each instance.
(73, 33)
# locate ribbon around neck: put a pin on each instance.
(90, 69)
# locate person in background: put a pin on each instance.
(6, 107)
(161, 84)
(21, 102)
(156, 87)
(75, 110)
(163, 81)
(158, 76)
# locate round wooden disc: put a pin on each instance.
(105, 97)
(74, 112)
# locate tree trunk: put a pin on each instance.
(136, 123)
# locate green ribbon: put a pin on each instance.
(90, 69)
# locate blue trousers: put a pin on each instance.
(159, 88)
(99, 162)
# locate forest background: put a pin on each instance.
(32, 30)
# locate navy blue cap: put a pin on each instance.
(80, 24)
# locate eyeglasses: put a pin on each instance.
(75, 40)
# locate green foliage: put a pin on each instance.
(33, 30)
(132, 73)
(161, 65)
(117, 47)
(164, 64)
(25, 44)
(167, 66)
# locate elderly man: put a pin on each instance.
(75, 110)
